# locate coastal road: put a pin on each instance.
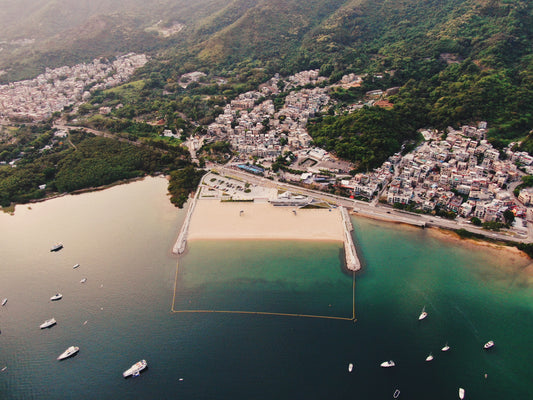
(375, 210)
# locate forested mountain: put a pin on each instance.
(457, 61)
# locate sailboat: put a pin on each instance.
(423, 314)
(430, 357)
(461, 393)
(446, 347)
(350, 367)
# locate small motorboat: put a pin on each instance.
(57, 247)
(48, 323)
(423, 314)
(387, 364)
(396, 394)
(83, 280)
(68, 352)
(135, 369)
(488, 345)
(461, 393)
(4, 302)
(350, 367)
(3, 369)
(429, 357)
(76, 266)
(57, 296)
(446, 347)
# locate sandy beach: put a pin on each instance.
(213, 219)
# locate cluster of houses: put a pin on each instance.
(463, 174)
(57, 88)
(252, 126)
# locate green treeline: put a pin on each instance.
(182, 182)
(366, 137)
(96, 161)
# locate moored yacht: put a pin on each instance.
(57, 247)
(48, 323)
(83, 280)
(4, 301)
(461, 393)
(387, 364)
(57, 296)
(446, 347)
(423, 314)
(68, 352)
(135, 369)
(350, 367)
(488, 345)
(430, 357)
(76, 266)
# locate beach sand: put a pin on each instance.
(213, 219)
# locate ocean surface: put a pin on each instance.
(122, 239)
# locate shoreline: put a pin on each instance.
(12, 208)
(516, 259)
(451, 234)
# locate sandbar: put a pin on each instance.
(213, 219)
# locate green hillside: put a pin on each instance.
(456, 61)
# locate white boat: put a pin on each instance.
(76, 266)
(57, 296)
(446, 347)
(396, 394)
(430, 357)
(4, 301)
(68, 352)
(135, 369)
(387, 364)
(488, 345)
(3, 369)
(461, 393)
(57, 247)
(83, 280)
(423, 314)
(350, 367)
(48, 323)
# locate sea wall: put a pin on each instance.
(181, 243)
(352, 261)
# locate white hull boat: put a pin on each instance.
(445, 348)
(83, 280)
(76, 266)
(48, 323)
(430, 357)
(4, 301)
(396, 394)
(350, 367)
(68, 352)
(56, 297)
(57, 247)
(135, 369)
(423, 314)
(488, 345)
(461, 393)
(387, 364)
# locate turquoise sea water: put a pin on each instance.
(122, 238)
